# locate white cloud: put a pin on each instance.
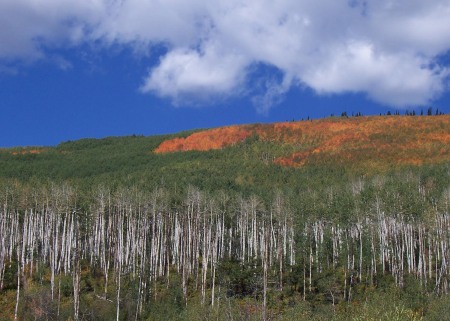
(28, 25)
(209, 71)
(399, 79)
(387, 49)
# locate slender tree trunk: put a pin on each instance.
(18, 286)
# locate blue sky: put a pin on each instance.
(94, 68)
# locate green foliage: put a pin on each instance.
(438, 309)
(320, 191)
(240, 279)
(168, 303)
(377, 305)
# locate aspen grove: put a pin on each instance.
(52, 233)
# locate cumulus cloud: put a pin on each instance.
(387, 49)
(399, 78)
(28, 26)
(209, 71)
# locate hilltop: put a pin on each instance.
(376, 141)
(246, 157)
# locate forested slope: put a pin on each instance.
(320, 219)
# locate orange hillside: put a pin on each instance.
(398, 139)
(205, 140)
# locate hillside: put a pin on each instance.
(248, 158)
(373, 141)
(330, 219)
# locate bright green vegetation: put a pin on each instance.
(328, 241)
(246, 167)
(129, 161)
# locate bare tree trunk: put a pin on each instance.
(266, 236)
(18, 285)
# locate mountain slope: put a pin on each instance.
(372, 141)
(248, 158)
(317, 220)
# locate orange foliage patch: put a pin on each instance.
(355, 140)
(28, 151)
(226, 136)
(376, 140)
(206, 140)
